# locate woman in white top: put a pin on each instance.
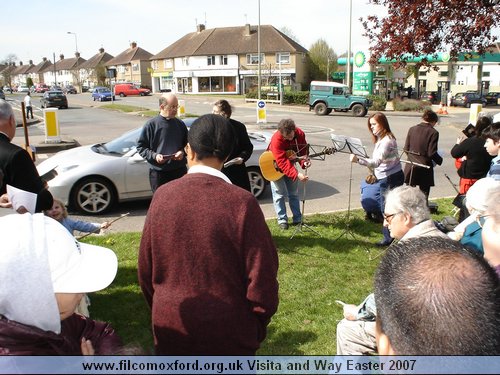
(384, 162)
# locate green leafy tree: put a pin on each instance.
(426, 27)
(322, 60)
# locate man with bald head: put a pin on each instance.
(162, 143)
(16, 165)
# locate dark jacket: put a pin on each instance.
(421, 146)
(477, 161)
(21, 339)
(163, 136)
(20, 171)
(243, 148)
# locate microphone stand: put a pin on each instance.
(303, 226)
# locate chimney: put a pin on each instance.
(20, 63)
(247, 29)
(77, 55)
(61, 57)
(44, 59)
(200, 27)
(133, 45)
(31, 62)
(101, 50)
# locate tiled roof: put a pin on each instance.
(230, 40)
(67, 64)
(22, 69)
(131, 54)
(42, 66)
(101, 58)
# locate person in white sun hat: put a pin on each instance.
(44, 272)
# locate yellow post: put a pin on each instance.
(475, 109)
(51, 119)
(181, 111)
(261, 112)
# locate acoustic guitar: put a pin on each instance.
(270, 169)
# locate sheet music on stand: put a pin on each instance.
(349, 145)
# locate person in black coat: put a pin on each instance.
(474, 159)
(421, 146)
(17, 167)
(242, 149)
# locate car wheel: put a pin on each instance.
(93, 195)
(257, 181)
(320, 109)
(122, 95)
(358, 110)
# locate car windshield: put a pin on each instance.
(121, 145)
(56, 94)
(104, 90)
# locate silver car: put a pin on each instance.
(91, 179)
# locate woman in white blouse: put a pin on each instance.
(384, 163)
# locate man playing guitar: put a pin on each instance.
(288, 137)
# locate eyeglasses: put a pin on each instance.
(481, 219)
(388, 218)
(172, 107)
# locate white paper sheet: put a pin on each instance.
(21, 198)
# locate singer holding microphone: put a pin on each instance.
(384, 165)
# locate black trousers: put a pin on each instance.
(158, 178)
(29, 109)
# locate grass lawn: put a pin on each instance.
(314, 271)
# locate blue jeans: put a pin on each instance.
(282, 188)
(390, 182)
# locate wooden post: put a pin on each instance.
(26, 138)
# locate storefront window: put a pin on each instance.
(216, 84)
(204, 84)
(230, 84)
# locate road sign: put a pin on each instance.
(52, 134)
(261, 112)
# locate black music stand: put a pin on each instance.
(303, 226)
(348, 145)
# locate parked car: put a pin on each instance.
(492, 98)
(465, 99)
(2, 95)
(54, 99)
(7, 89)
(429, 96)
(327, 96)
(70, 89)
(23, 88)
(41, 88)
(91, 179)
(126, 89)
(102, 94)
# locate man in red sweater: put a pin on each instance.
(288, 137)
(207, 261)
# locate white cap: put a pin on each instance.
(40, 257)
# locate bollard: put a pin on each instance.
(181, 111)
(52, 134)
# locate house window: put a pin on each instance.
(135, 67)
(185, 61)
(120, 68)
(223, 60)
(154, 64)
(253, 58)
(167, 63)
(283, 57)
(210, 60)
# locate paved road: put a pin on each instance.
(330, 179)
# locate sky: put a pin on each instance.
(33, 29)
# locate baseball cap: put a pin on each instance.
(40, 257)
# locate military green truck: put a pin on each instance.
(327, 96)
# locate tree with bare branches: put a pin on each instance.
(426, 27)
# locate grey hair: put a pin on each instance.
(410, 200)
(6, 111)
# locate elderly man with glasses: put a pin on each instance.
(406, 215)
(162, 143)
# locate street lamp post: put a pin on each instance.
(349, 47)
(258, 53)
(76, 40)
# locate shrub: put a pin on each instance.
(410, 105)
(296, 97)
(379, 102)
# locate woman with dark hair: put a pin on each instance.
(242, 147)
(473, 160)
(421, 147)
(384, 163)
